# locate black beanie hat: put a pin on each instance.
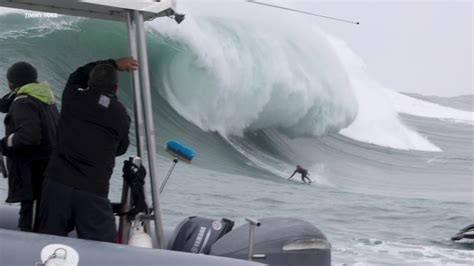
(21, 73)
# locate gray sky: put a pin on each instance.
(423, 47)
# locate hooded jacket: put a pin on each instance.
(93, 129)
(30, 137)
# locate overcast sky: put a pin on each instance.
(424, 47)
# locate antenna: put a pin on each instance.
(303, 12)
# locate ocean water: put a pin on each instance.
(393, 172)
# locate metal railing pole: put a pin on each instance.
(163, 184)
(252, 225)
(149, 126)
(137, 95)
(124, 225)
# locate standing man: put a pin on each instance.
(304, 174)
(93, 130)
(30, 135)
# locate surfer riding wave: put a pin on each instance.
(304, 174)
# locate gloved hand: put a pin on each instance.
(132, 171)
(4, 147)
(128, 167)
(6, 101)
(3, 167)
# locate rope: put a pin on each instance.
(303, 12)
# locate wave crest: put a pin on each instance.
(229, 76)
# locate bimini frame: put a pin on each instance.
(143, 116)
(134, 13)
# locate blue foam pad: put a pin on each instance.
(180, 150)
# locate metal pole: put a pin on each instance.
(124, 225)
(163, 184)
(252, 225)
(137, 95)
(149, 126)
(251, 239)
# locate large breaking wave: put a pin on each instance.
(232, 75)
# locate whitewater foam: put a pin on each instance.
(33, 27)
(377, 121)
(6, 10)
(318, 175)
(412, 254)
(409, 105)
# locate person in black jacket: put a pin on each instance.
(93, 129)
(30, 135)
(304, 174)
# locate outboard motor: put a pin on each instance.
(278, 241)
(197, 234)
